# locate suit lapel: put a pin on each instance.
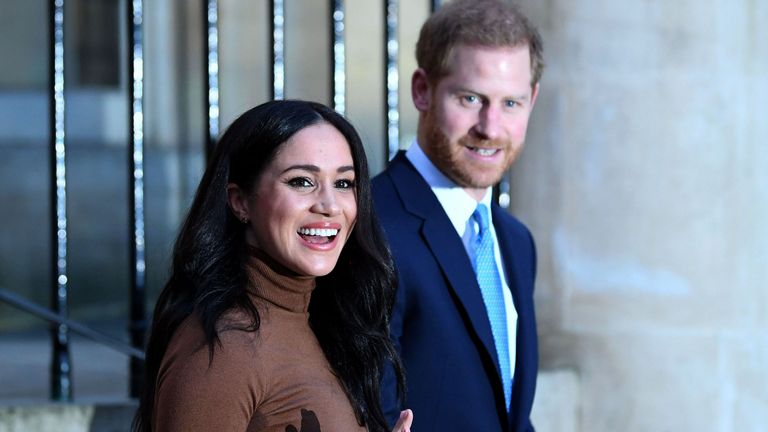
(446, 246)
(512, 265)
(507, 257)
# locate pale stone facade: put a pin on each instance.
(645, 182)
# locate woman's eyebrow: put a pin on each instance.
(307, 167)
(315, 168)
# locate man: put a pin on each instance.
(464, 316)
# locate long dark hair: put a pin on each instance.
(349, 308)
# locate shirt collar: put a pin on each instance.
(456, 202)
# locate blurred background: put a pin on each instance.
(644, 181)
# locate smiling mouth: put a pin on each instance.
(318, 235)
(483, 151)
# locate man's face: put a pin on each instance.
(474, 119)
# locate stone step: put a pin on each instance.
(67, 417)
(555, 410)
(100, 386)
(99, 373)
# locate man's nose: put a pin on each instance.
(488, 123)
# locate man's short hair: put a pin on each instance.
(484, 23)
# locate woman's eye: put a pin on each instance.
(300, 182)
(345, 184)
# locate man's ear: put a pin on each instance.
(534, 94)
(238, 202)
(421, 90)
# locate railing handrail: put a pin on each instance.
(28, 306)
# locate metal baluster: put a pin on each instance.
(211, 14)
(502, 191)
(61, 367)
(278, 49)
(392, 116)
(338, 73)
(138, 325)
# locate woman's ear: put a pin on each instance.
(238, 202)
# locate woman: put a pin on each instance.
(276, 312)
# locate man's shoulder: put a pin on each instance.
(380, 180)
(383, 187)
(511, 224)
(388, 184)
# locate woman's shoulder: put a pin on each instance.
(206, 381)
(238, 330)
(233, 345)
(231, 360)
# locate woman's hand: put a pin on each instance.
(404, 422)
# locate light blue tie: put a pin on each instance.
(490, 287)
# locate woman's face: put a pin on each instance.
(303, 207)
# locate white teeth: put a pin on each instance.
(318, 232)
(485, 152)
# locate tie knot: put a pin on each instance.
(481, 217)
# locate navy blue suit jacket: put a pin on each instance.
(439, 323)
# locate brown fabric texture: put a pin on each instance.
(274, 379)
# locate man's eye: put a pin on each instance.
(470, 99)
(300, 182)
(345, 184)
(512, 103)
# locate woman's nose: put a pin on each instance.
(326, 202)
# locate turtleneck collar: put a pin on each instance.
(278, 285)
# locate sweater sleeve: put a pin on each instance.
(198, 393)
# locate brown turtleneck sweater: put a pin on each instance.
(275, 379)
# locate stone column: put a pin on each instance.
(645, 183)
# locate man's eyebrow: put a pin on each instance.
(517, 97)
(523, 98)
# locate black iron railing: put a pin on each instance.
(61, 370)
(57, 314)
(52, 317)
(138, 286)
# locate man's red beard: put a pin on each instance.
(442, 153)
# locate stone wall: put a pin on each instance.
(645, 182)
